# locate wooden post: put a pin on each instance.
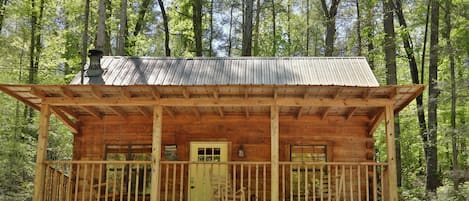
(391, 154)
(274, 149)
(156, 152)
(39, 177)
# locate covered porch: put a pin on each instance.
(144, 142)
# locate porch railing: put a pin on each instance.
(202, 181)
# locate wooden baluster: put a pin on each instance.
(83, 183)
(383, 190)
(337, 179)
(241, 184)
(137, 177)
(314, 182)
(122, 182)
(265, 183)
(62, 178)
(342, 185)
(249, 180)
(166, 180)
(100, 177)
(367, 183)
(181, 183)
(298, 178)
(351, 183)
(47, 179)
(306, 183)
(91, 182)
(257, 181)
(321, 183)
(359, 182)
(69, 183)
(129, 182)
(77, 182)
(174, 182)
(291, 181)
(234, 181)
(375, 190)
(144, 187)
(328, 182)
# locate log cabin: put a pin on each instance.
(200, 129)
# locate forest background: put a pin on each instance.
(405, 42)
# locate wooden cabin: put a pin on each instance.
(202, 129)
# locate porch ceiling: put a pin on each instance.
(70, 102)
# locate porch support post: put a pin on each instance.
(274, 149)
(391, 154)
(156, 152)
(42, 139)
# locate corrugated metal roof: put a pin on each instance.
(336, 71)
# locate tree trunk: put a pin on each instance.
(289, 27)
(84, 42)
(449, 48)
(230, 31)
(432, 160)
(247, 30)
(166, 28)
(369, 33)
(308, 28)
(330, 14)
(409, 49)
(101, 29)
(274, 35)
(391, 76)
(256, 27)
(32, 70)
(2, 13)
(197, 23)
(359, 30)
(140, 21)
(210, 50)
(122, 29)
(427, 19)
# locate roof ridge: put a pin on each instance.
(233, 58)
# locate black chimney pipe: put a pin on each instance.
(94, 69)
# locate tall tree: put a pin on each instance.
(140, 22)
(369, 28)
(425, 35)
(391, 75)
(84, 42)
(166, 28)
(256, 27)
(433, 91)
(122, 40)
(197, 26)
(230, 36)
(308, 27)
(289, 47)
(101, 27)
(330, 14)
(210, 49)
(274, 34)
(359, 30)
(409, 49)
(450, 52)
(246, 47)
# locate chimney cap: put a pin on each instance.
(95, 52)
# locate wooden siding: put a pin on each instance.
(346, 139)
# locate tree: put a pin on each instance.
(274, 34)
(330, 14)
(450, 52)
(122, 30)
(3, 3)
(101, 27)
(166, 28)
(197, 25)
(247, 29)
(84, 47)
(140, 23)
(256, 27)
(308, 27)
(359, 34)
(433, 91)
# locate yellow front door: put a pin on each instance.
(205, 165)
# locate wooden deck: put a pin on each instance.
(130, 180)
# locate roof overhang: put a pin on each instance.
(71, 102)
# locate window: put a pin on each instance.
(305, 153)
(121, 172)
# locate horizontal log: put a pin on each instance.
(213, 102)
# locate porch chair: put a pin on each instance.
(222, 190)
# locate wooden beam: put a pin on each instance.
(367, 94)
(351, 112)
(391, 153)
(37, 92)
(223, 101)
(155, 93)
(62, 117)
(325, 112)
(67, 92)
(274, 152)
(125, 93)
(246, 96)
(275, 93)
(186, 93)
(144, 111)
(96, 92)
(302, 108)
(92, 111)
(375, 122)
(337, 93)
(20, 98)
(68, 111)
(220, 109)
(39, 177)
(118, 111)
(156, 152)
(170, 112)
